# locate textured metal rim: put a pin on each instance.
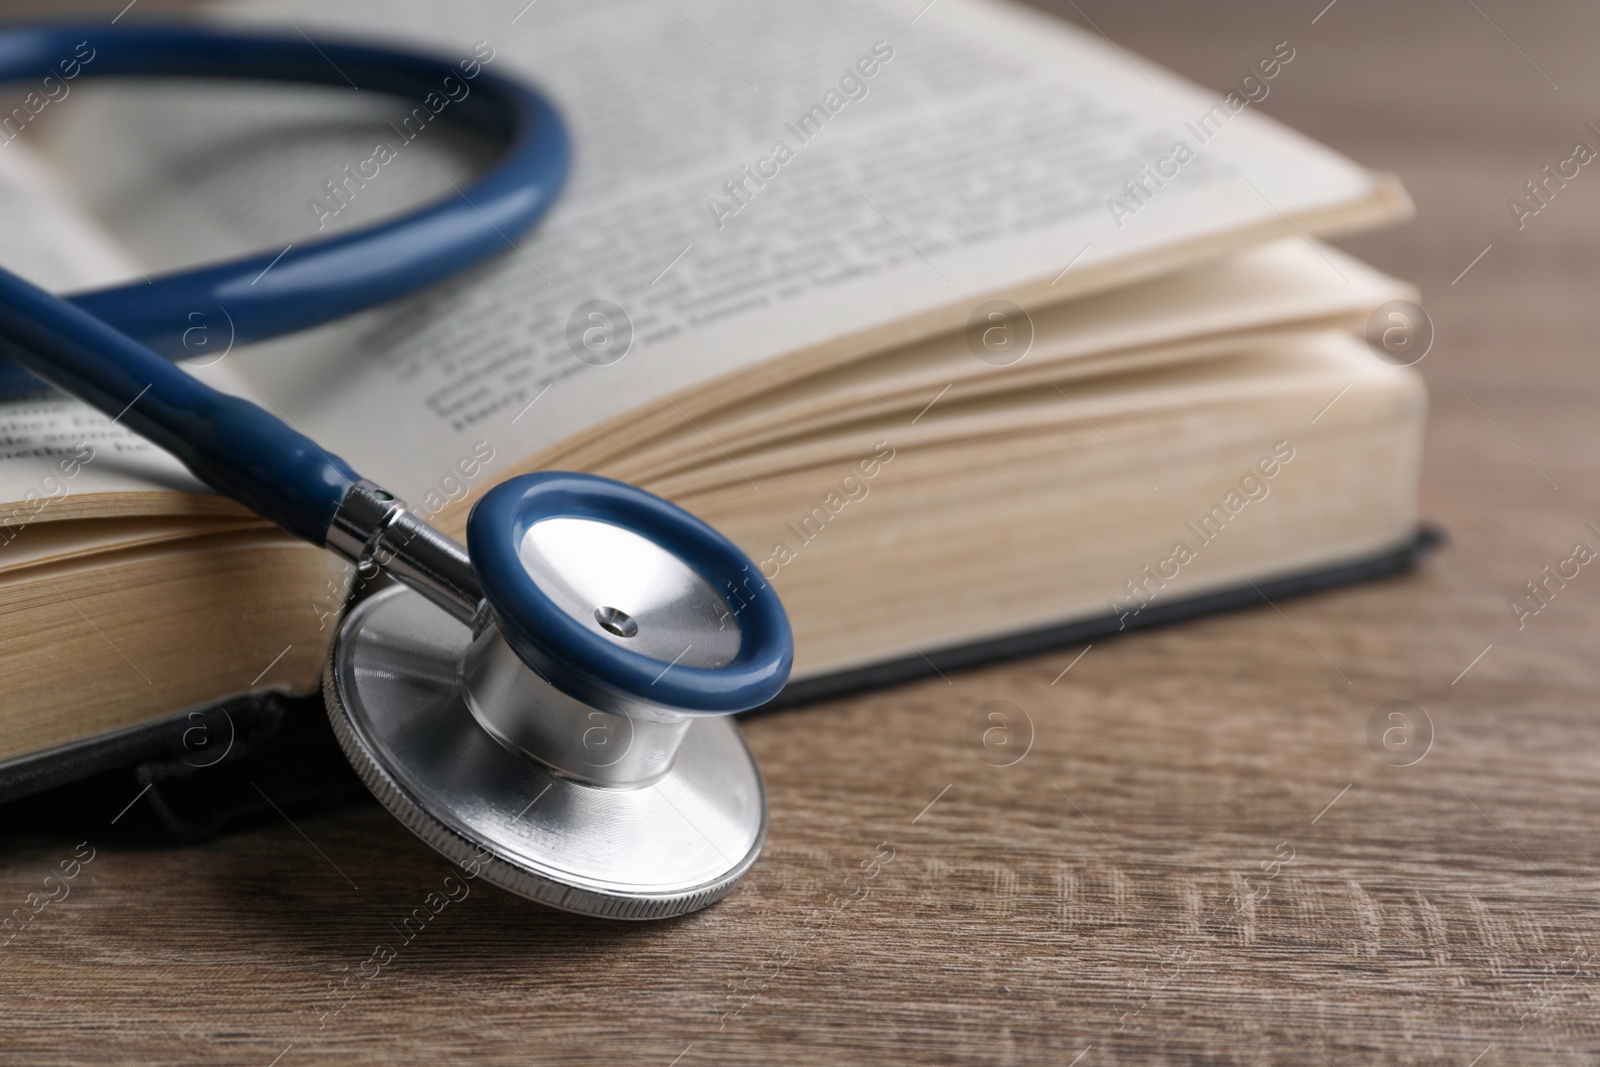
(468, 853)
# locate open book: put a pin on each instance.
(961, 322)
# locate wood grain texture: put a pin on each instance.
(1080, 899)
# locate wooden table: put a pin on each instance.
(1090, 904)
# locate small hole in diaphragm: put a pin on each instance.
(616, 621)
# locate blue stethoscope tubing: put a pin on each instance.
(107, 347)
(112, 349)
(314, 282)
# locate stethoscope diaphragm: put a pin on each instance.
(668, 847)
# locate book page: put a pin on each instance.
(52, 447)
(44, 237)
(752, 184)
(1203, 313)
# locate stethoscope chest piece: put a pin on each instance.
(579, 785)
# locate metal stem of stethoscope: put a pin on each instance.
(550, 711)
(374, 530)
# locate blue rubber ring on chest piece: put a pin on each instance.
(582, 663)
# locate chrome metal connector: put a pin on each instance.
(374, 530)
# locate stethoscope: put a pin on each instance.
(547, 707)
